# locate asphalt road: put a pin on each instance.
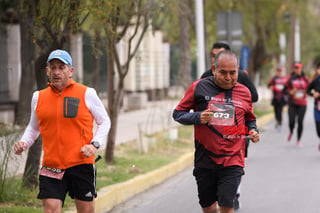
(280, 178)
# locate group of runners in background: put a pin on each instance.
(292, 90)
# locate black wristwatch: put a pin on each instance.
(95, 144)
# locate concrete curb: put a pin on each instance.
(110, 196)
(265, 119)
(113, 195)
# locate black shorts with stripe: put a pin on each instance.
(79, 181)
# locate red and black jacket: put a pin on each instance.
(212, 146)
(299, 83)
(277, 85)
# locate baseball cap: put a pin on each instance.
(297, 65)
(280, 69)
(62, 55)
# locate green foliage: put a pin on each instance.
(13, 198)
(169, 22)
(21, 209)
(17, 199)
(8, 136)
(56, 20)
(6, 130)
(108, 15)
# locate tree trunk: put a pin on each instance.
(96, 62)
(114, 114)
(27, 75)
(31, 170)
(40, 70)
(109, 154)
(184, 72)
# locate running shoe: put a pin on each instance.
(279, 129)
(289, 137)
(299, 144)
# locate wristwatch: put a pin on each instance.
(95, 144)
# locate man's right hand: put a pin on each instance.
(19, 147)
(205, 116)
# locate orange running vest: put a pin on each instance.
(65, 125)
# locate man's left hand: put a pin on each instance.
(88, 150)
(254, 136)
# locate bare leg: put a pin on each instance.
(226, 210)
(214, 208)
(52, 205)
(84, 206)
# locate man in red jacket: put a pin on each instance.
(222, 116)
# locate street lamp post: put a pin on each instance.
(200, 38)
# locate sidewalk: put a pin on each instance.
(156, 116)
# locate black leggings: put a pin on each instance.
(318, 128)
(278, 112)
(296, 111)
(316, 114)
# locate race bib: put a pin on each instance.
(299, 94)
(223, 114)
(279, 87)
(52, 172)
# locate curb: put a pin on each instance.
(110, 196)
(264, 119)
(113, 195)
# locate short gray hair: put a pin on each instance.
(228, 53)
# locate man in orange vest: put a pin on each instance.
(64, 114)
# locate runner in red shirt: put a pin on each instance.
(276, 84)
(221, 110)
(296, 87)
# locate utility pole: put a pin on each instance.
(200, 38)
(297, 56)
(294, 47)
(282, 44)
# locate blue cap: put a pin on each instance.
(62, 55)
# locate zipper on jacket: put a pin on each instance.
(59, 127)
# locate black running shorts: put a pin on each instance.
(219, 184)
(79, 181)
